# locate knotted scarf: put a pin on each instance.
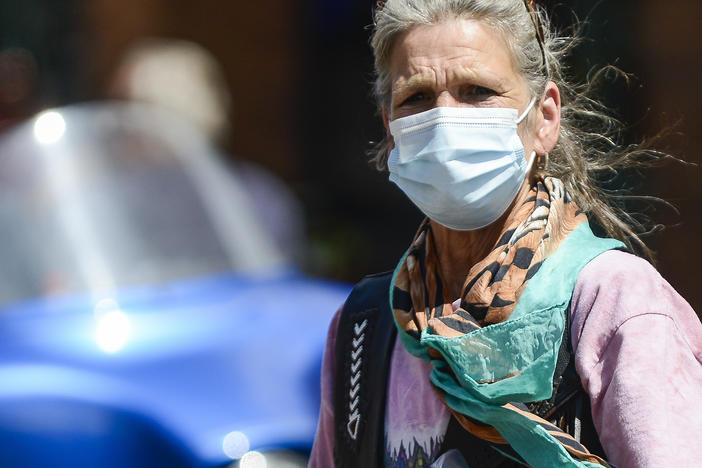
(499, 348)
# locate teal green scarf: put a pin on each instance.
(479, 373)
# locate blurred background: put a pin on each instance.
(297, 109)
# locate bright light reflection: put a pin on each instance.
(112, 331)
(105, 306)
(253, 460)
(235, 445)
(49, 127)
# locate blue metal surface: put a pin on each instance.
(202, 358)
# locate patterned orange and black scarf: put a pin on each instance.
(492, 287)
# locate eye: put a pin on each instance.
(483, 91)
(415, 98)
(478, 92)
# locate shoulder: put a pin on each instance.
(630, 283)
(635, 338)
(617, 287)
(616, 271)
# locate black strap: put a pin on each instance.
(476, 451)
(364, 343)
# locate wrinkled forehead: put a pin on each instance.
(450, 50)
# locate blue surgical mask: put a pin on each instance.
(461, 166)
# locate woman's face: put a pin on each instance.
(455, 63)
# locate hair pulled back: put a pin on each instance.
(587, 152)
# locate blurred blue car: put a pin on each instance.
(146, 317)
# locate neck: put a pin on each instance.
(458, 251)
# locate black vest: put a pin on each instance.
(364, 343)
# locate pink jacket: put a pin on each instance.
(638, 351)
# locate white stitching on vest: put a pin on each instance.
(354, 397)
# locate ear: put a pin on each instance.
(550, 123)
(386, 123)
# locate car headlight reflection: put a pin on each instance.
(49, 127)
(112, 331)
(272, 459)
(253, 460)
(235, 445)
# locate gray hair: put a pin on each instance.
(586, 152)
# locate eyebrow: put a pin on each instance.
(462, 74)
(417, 81)
(404, 86)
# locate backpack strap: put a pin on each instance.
(365, 337)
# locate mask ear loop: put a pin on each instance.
(526, 111)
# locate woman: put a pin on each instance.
(521, 337)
